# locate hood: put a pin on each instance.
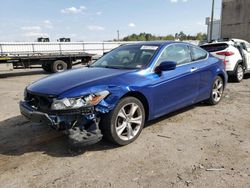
(62, 82)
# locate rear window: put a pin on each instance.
(214, 47)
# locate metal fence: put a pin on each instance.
(41, 48)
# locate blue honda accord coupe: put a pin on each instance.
(117, 94)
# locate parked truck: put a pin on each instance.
(52, 56)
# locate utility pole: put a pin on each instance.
(118, 35)
(212, 22)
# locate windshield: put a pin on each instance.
(127, 57)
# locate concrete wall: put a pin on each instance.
(235, 19)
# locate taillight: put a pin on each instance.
(225, 53)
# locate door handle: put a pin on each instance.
(193, 69)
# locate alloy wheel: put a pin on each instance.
(217, 89)
(240, 72)
(129, 121)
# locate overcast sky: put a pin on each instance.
(98, 20)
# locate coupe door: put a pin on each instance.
(205, 68)
(177, 88)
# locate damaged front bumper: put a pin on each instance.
(81, 126)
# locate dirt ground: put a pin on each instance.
(200, 146)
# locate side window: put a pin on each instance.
(243, 45)
(248, 46)
(198, 54)
(178, 53)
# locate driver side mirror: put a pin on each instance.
(166, 66)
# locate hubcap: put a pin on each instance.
(128, 121)
(217, 90)
(60, 67)
(240, 73)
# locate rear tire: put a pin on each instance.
(59, 66)
(216, 91)
(238, 73)
(125, 122)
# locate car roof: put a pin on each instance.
(239, 40)
(221, 42)
(160, 43)
(229, 41)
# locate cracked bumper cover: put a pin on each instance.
(76, 135)
(33, 115)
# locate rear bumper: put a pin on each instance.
(230, 66)
(33, 115)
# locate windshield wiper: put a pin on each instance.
(108, 67)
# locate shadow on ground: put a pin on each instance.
(247, 76)
(231, 80)
(19, 136)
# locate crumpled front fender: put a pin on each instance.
(116, 93)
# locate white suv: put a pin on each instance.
(236, 55)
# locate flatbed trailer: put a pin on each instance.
(49, 62)
(52, 56)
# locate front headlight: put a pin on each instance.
(74, 103)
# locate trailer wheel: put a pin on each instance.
(59, 66)
(46, 67)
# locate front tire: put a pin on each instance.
(217, 91)
(125, 122)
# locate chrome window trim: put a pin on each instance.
(191, 62)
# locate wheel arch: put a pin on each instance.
(234, 73)
(140, 97)
(240, 62)
(223, 78)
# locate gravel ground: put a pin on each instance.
(199, 146)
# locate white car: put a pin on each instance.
(236, 55)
